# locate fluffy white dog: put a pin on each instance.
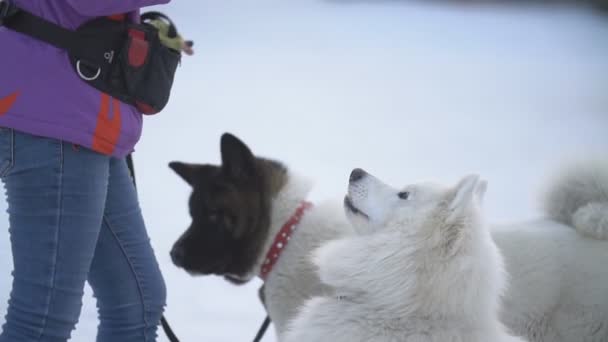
(559, 275)
(423, 268)
(558, 278)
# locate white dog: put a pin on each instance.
(558, 289)
(422, 268)
(578, 196)
(558, 275)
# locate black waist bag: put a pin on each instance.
(124, 60)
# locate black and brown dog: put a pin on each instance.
(230, 210)
(250, 218)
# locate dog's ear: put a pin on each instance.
(186, 171)
(480, 191)
(237, 160)
(463, 196)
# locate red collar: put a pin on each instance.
(282, 239)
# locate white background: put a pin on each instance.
(406, 90)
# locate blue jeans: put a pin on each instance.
(74, 217)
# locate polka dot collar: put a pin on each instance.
(282, 238)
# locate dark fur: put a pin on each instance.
(230, 208)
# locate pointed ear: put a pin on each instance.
(186, 171)
(237, 160)
(463, 197)
(480, 190)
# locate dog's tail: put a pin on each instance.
(578, 197)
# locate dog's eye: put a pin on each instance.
(404, 195)
(213, 216)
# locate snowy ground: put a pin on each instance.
(406, 90)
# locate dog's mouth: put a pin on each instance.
(198, 272)
(348, 204)
(194, 273)
(214, 269)
(233, 278)
(236, 279)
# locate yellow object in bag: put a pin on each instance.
(167, 32)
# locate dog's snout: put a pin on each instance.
(356, 175)
(177, 256)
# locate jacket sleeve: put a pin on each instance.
(98, 8)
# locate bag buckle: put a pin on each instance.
(7, 10)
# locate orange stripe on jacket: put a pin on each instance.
(7, 102)
(107, 130)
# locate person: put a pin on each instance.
(73, 210)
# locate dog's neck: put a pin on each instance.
(284, 205)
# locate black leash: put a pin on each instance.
(262, 330)
(163, 321)
(170, 335)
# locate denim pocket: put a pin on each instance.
(7, 155)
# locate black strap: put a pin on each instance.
(84, 43)
(7, 9)
(42, 29)
(131, 168)
(170, 335)
(262, 330)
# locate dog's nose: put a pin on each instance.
(356, 175)
(177, 256)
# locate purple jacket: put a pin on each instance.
(40, 94)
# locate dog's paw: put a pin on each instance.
(335, 261)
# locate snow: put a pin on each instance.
(406, 90)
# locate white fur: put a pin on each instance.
(558, 284)
(422, 269)
(578, 196)
(294, 278)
